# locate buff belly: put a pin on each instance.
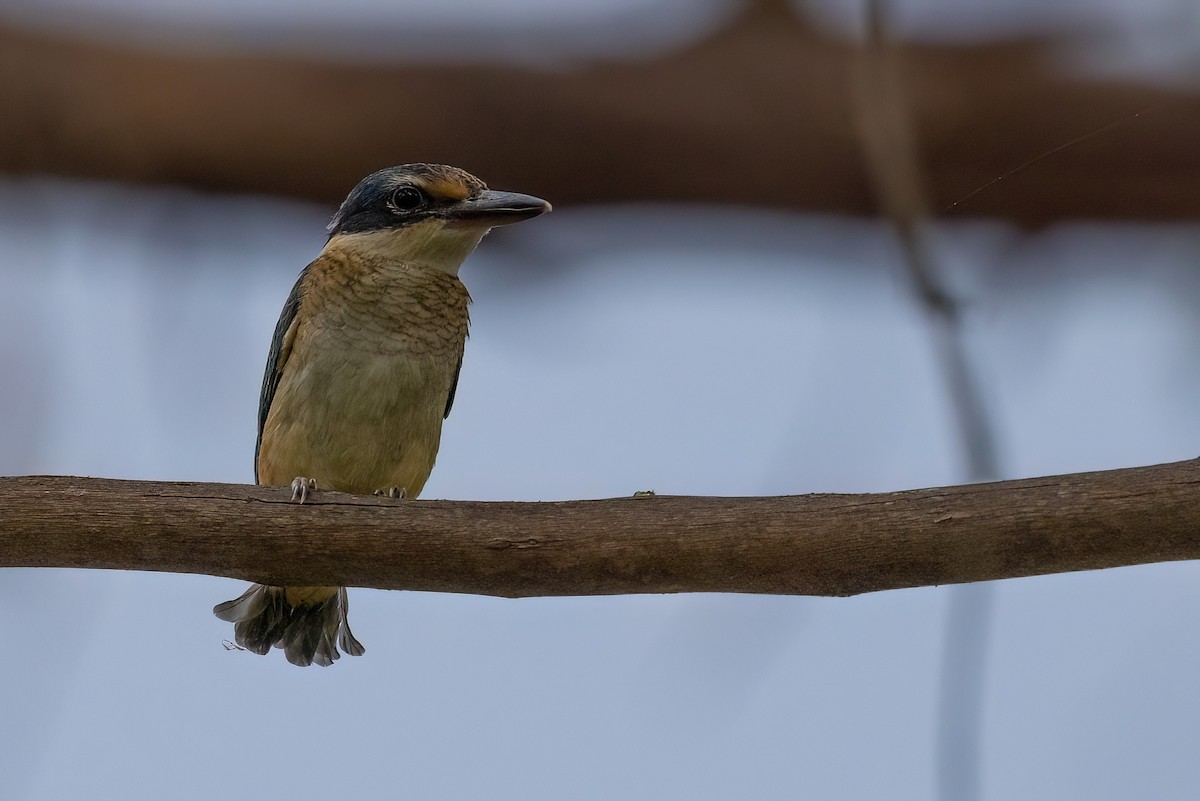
(355, 421)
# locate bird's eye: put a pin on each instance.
(407, 198)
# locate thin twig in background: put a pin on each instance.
(888, 140)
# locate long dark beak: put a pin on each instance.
(497, 208)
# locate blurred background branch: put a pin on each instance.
(793, 545)
(700, 121)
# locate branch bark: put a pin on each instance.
(792, 545)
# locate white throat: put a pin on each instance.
(430, 243)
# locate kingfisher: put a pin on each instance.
(362, 371)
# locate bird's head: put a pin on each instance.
(427, 214)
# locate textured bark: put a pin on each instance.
(793, 545)
(759, 113)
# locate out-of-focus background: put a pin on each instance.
(715, 307)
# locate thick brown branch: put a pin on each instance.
(795, 545)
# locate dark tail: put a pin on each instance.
(307, 623)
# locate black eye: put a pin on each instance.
(407, 198)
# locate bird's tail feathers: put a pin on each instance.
(307, 631)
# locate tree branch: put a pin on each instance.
(756, 114)
(791, 545)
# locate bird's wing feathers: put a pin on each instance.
(453, 386)
(281, 348)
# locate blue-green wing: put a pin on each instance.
(453, 387)
(276, 360)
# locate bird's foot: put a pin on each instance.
(399, 493)
(301, 486)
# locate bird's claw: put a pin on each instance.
(399, 493)
(301, 486)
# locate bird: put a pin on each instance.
(362, 371)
